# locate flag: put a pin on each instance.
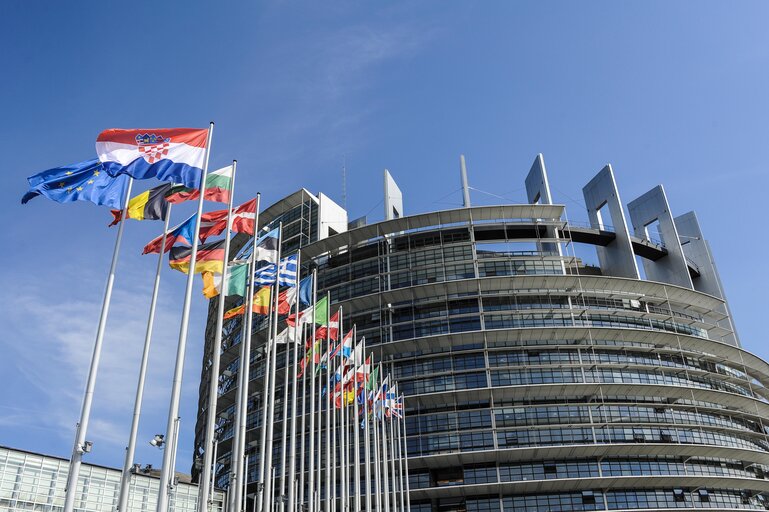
(286, 336)
(236, 281)
(287, 271)
(210, 258)
(149, 205)
(168, 154)
(266, 276)
(218, 188)
(340, 348)
(286, 299)
(305, 290)
(331, 330)
(372, 380)
(267, 247)
(83, 181)
(183, 233)
(314, 314)
(260, 304)
(214, 223)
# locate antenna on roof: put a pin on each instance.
(344, 182)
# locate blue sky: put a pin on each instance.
(668, 92)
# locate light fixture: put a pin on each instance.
(159, 440)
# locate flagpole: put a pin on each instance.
(81, 428)
(385, 469)
(319, 441)
(406, 455)
(235, 476)
(284, 425)
(355, 422)
(377, 474)
(301, 492)
(342, 425)
(394, 486)
(297, 340)
(125, 477)
(268, 498)
(265, 405)
(310, 365)
(366, 433)
(328, 410)
(213, 383)
(167, 472)
(238, 446)
(401, 431)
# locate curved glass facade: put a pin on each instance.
(536, 383)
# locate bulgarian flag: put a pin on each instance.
(217, 189)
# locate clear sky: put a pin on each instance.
(668, 92)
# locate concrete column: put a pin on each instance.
(617, 258)
(393, 197)
(645, 210)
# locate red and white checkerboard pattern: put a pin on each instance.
(154, 152)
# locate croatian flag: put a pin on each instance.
(168, 154)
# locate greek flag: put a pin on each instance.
(287, 271)
(265, 276)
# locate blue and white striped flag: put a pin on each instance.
(265, 276)
(287, 271)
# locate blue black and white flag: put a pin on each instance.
(267, 247)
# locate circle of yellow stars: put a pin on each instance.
(79, 188)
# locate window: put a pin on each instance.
(588, 497)
(678, 495)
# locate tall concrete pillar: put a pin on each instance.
(538, 192)
(616, 259)
(697, 250)
(393, 197)
(653, 207)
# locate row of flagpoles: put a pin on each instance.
(349, 412)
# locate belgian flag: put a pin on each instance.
(149, 205)
(210, 258)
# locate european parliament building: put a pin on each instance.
(533, 380)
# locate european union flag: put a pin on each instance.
(84, 181)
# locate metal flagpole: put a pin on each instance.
(244, 490)
(81, 446)
(235, 477)
(301, 492)
(125, 477)
(332, 409)
(401, 486)
(213, 383)
(213, 470)
(268, 494)
(356, 420)
(406, 454)
(167, 472)
(295, 383)
(310, 367)
(385, 470)
(284, 425)
(394, 486)
(342, 407)
(319, 441)
(366, 432)
(329, 474)
(237, 453)
(169, 462)
(375, 429)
